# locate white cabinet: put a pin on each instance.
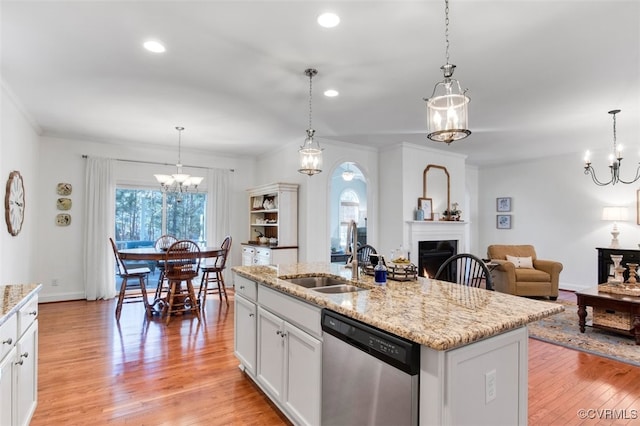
(245, 323)
(277, 340)
(245, 333)
(19, 365)
(289, 356)
(258, 255)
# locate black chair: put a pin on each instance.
(213, 274)
(182, 263)
(465, 269)
(139, 274)
(364, 252)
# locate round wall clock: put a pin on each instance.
(14, 203)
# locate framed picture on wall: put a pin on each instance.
(503, 204)
(426, 205)
(503, 221)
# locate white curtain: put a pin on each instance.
(218, 202)
(98, 267)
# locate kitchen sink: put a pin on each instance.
(341, 288)
(317, 281)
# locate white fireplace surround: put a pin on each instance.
(428, 230)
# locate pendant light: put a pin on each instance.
(347, 174)
(310, 154)
(447, 107)
(615, 162)
(179, 182)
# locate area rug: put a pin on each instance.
(562, 329)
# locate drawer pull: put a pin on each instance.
(241, 287)
(34, 313)
(251, 315)
(8, 341)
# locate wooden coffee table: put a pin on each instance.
(613, 312)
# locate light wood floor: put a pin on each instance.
(92, 371)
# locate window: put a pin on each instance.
(349, 210)
(143, 215)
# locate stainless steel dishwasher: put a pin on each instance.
(369, 377)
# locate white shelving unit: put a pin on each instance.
(273, 212)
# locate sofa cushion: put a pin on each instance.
(532, 275)
(521, 262)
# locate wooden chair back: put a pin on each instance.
(164, 242)
(182, 260)
(122, 268)
(465, 269)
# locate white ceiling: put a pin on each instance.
(541, 74)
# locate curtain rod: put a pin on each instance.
(157, 163)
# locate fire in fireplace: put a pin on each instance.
(432, 254)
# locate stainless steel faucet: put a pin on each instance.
(352, 249)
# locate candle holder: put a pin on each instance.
(633, 267)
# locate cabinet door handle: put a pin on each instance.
(283, 334)
(8, 341)
(241, 287)
(251, 315)
(278, 332)
(22, 356)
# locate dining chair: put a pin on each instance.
(126, 274)
(364, 253)
(213, 273)
(465, 269)
(162, 244)
(181, 264)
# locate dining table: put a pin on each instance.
(159, 255)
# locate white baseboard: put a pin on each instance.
(574, 287)
(60, 297)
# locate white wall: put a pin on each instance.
(557, 208)
(18, 151)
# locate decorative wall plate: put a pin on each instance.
(63, 219)
(64, 203)
(64, 188)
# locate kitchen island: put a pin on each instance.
(473, 341)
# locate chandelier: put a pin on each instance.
(179, 182)
(615, 161)
(447, 117)
(310, 154)
(348, 174)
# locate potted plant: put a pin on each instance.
(453, 213)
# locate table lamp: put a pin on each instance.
(614, 214)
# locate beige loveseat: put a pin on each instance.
(541, 280)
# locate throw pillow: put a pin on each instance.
(521, 262)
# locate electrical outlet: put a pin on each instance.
(54, 282)
(490, 386)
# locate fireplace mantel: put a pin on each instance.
(432, 230)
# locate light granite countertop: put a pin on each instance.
(14, 296)
(437, 314)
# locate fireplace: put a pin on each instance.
(432, 254)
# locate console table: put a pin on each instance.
(605, 262)
(613, 312)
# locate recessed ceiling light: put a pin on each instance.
(154, 46)
(331, 93)
(328, 20)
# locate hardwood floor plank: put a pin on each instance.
(92, 371)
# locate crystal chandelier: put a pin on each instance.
(310, 154)
(447, 116)
(615, 161)
(179, 182)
